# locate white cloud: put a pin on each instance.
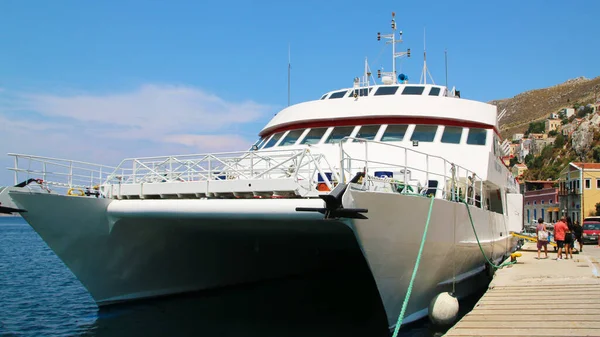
(152, 120)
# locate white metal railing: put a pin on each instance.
(59, 175)
(412, 171)
(299, 164)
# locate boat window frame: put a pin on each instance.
(367, 125)
(361, 92)
(385, 90)
(286, 136)
(302, 142)
(338, 94)
(431, 91)
(485, 132)
(407, 90)
(387, 127)
(437, 127)
(352, 128)
(462, 130)
(276, 141)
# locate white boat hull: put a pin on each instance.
(122, 250)
(391, 237)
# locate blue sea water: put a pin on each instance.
(39, 296)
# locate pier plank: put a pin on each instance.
(536, 298)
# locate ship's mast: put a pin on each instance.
(425, 69)
(392, 40)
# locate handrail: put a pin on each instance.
(456, 180)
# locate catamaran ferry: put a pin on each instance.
(356, 169)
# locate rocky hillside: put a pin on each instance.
(536, 104)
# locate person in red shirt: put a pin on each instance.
(560, 228)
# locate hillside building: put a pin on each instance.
(518, 170)
(568, 112)
(579, 190)
(537, 145)
(517, 137)
(552, 125)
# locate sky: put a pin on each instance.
(106, 80)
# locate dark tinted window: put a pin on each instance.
(291, 137)
(360, 92)
(452, 134)
(394, 133)
(591, 226)
(338, 94)
(313, 136)
(434, 91)
(323, 97)
(273, 140)
(413, 90)
(424, 133)
(386, 91)
(368, 132)
(477, 137)
(339, 133)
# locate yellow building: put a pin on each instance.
(579, 190)
(553, 124)
(518, 170)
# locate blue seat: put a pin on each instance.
(384, 174)
(320, 178)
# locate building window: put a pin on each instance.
(542, 202)
(535, 202)
(528, 203)
(588, 183)
(598, 183)
(549, 201)
(527, 215)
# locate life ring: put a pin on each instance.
(76, 192)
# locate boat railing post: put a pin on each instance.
(70, 179)
(405, 182)
(44, 171)
(251, 165)
(342, 179)
(16, 172)
(170, 175)
(426, 172)
(445, 193)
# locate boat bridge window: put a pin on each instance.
(394, 133)
(477, 136)
(291, 137)
(338, 94)
(452, 134)
(435, 91)
(323, 97)
(273, 140)
(339, 133)
(424, 133)
(360, 92)
(412, 90)
(313, 136)
(258, 143)
(367, 132)
(386, 91)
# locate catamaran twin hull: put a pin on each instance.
(123, 250)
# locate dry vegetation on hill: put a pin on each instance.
(535, 105)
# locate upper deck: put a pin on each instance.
(397, 104)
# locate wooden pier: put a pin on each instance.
(542, 297)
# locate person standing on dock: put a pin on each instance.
(569, 241)
(542, 237)
(560, 229)
(578, 230)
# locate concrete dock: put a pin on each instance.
(542, 297)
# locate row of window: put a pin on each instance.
(389, 133)
(574, 184)
(381, 91)
(542, 202)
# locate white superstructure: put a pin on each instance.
(351, 171)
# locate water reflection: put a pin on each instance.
(337, 302)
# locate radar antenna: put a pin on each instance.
(425, 69)
(392, 40)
